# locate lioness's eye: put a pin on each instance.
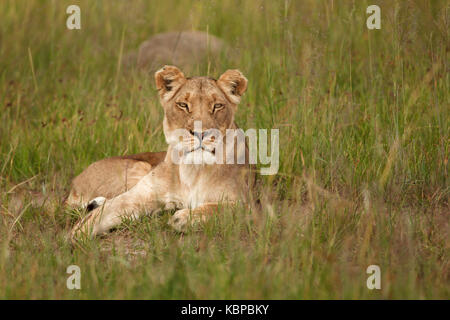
(183, 106)
(218, 106)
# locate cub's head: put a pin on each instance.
(198, 110)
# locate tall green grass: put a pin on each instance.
(364, 147)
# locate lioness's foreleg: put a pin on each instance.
(147, 196)
(182, 218)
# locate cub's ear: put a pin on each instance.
(168, 80)
(233, 83)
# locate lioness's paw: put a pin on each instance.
(182, 219)
(85, 227)
(179, 220)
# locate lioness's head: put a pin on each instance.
(199, 109)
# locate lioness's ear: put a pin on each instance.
(233, 83)
(168, 79)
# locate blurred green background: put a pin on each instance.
(364, 147)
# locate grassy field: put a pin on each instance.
(364, 147)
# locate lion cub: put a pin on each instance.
(190, 176)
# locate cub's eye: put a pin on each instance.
(218, 106)
(183, 106)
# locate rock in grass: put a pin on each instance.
(184, 49)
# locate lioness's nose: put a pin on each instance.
(200, 135)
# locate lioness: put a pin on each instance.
(162, 180)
